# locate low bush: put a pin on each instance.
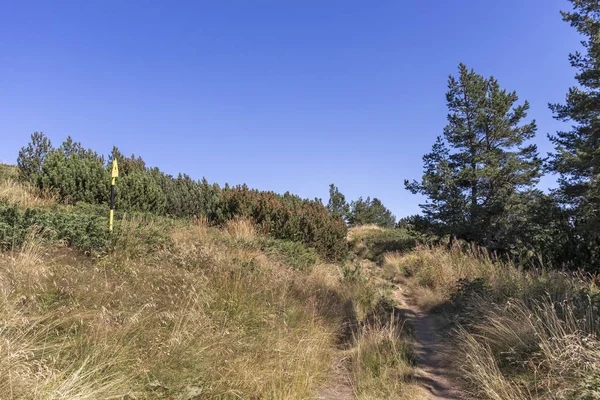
(288, 217)
(87, 232)
(86, 228)
(75, 174)
(372, 243)
(292, 254)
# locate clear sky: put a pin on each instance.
(281, 95)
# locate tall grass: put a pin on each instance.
(196, 317)
(23, 194)
(382, 362)
(241, 228)
(521, 333)
(166, 308)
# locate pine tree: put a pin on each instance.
(337, 202)
(75, 173)
(139, 191)
(481, 167)
(362, 212)
(32, 156)
(577, 155)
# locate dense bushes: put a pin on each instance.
(85, 227)
(83, 230)
(287, 217)
(140, 192)
(76, 175)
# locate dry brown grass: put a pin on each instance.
(24, 195)
(433, 272)
(522, 334)
(241, 228)
(382, 365)
(357, 232)
(200, 318)
(553, 347)
(179, 309)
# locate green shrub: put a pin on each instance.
(31, 158)
(85, 231)
(79, 175)
(140, 192)
(380, 241)
(288, 217)
(75, 174)
(293, 254)
(8, 172)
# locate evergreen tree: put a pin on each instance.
(577, 155)
(337, 202)
(139, 191)
(127, 165)
(76, 174)
(362, 212)
(31, 158)
(481, 168)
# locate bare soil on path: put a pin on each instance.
(434, 374)
(340, 386)
(431, 349)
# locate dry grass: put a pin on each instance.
(40, 362)
(24, 195)
(382, 363)
(555, 351)
(241, 228)
(523, 333)
(201, 317)
(182, 310)
(357, 232)
(434, 272)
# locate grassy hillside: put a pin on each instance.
(174, 308)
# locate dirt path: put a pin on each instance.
(340, 385)
(434, 374)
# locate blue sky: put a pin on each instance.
(281, 95)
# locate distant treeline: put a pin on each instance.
(77, 174)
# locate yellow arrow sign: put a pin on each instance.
(114, 175)
(115, 169)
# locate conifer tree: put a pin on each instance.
(31, 158)
(481, 167)
(75, 173)
(577, 152)
(362, 212)
(337, 202)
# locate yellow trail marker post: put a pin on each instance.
(114, 176)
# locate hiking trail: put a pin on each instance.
(431, 348)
